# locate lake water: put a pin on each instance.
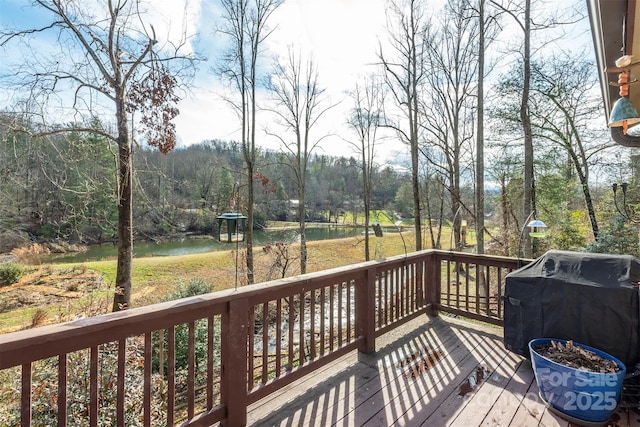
(198, 245)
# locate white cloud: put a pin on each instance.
(205, 115)
(341, 35)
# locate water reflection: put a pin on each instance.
(185, 246)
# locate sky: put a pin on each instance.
(341, 35)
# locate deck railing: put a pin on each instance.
(204, 359)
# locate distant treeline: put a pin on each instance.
(63, 187)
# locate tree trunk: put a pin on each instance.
(529, 193)
(366, 179)
(122, 296)
(413, 123)
(480, 135)
(249, 231)
(303, 239)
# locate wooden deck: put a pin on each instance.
(430, 372)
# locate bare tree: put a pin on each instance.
(482, 31)
(562, 109)
(521, 14)
(365, 121)
(448, 111)
(109, 59)
(404, 74)
(299, 105)
(245, 26)
(520, 11)
(487, 29)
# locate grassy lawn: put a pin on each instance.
(49, 294)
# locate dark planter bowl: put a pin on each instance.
(579, 394)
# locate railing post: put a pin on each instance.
(365, 311)
(433, 283)
(234, 362)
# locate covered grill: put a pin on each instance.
(586, 297)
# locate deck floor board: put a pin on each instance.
(395, 386)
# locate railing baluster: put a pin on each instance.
(388, 297)
(291, 324)
(478, 285)
(466, 286)
(265, 342)
(398, 293)
(252, 349)
(448, 283)
(146, 400)
(301, 328)
(415, 287)
(403, 291)
(93, 388)
(62, 390)
(350, 324)
(340, 313)
(323, 320)
(25, 400)
(457, 280)
(122, 348)
(378, 297)
(467, 278)
(210, 361)
(499, 296)
(392, 295)
(312, 324)
(420, 288)
(191, 369)
(407, 287)
(397, 289)
(278, 337)
(483, 272)
(332, 308)
(171, 374)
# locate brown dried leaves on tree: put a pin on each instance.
(154, 96)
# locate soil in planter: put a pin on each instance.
(576, 357)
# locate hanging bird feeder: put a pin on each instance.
(231, 227)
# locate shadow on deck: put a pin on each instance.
(430, 372)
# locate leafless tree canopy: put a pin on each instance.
(108, 67)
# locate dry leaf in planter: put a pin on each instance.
(576, 357)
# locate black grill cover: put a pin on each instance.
(589, 298)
